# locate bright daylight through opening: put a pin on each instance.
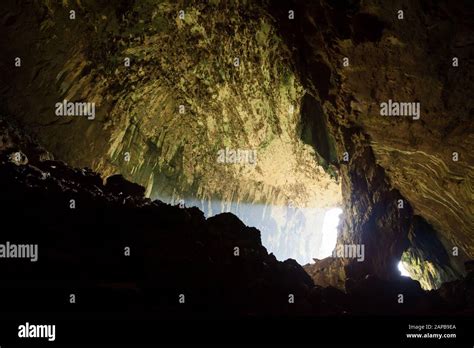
(402, 270)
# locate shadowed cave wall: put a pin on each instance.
(290, 98)
(393, 158)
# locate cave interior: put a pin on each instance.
(214, 140)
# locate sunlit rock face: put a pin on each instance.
(209, 109)
(426, 260)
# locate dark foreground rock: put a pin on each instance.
(119, 251)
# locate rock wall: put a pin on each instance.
(214, 78)
(392, 158)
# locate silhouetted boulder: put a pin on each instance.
(118, 185)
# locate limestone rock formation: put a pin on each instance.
(392, 158)
(170, 93)
(174, 88)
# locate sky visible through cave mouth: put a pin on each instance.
(402, 270)
(288, 232)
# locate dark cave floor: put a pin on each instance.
(118, 251)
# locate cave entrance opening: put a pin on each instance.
(329, 232)
(402, 269)
(289, 232)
